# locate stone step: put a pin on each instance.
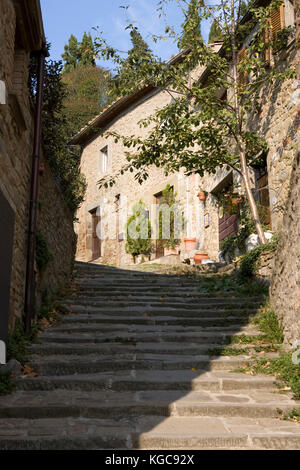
(146, 310)
(180, 295)
(181, 292)
(45, 348)
(103, 290)
(136, 319)
(116, 282)
(152, 328)
(204, 336)
(154, 432)
(138, 380)
(207, 303)
(119, 405)
(71, 364)
(101, 322)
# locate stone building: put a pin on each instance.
(102, 217)
(285, 284)
(21, 33)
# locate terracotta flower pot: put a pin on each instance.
(201, 196)
(190, 243)
(199, 257)
(235, 201)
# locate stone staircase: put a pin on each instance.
(130, 367)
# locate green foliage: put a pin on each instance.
(287, 373)
(233, 284)
(6, 384)
(43, 255)
(237, 243)
(71, 54)
(86, 51)
(63, 162)
(191, 28)
(18, 342)
(293, 415)
(138, 232)
(250, 261)
(167, 225)
(205, 126)
(136, 57)
(86, 95)
(215, 33)
(281, 38)
(79, 54)
(269, 324)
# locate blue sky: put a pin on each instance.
(65, 17)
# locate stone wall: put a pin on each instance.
(16, 147)
(55, 223)
(285, 286)
(15, 154)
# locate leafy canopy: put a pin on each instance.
(79, 54)
(63, 162)
(206, 123)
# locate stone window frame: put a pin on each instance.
(104, 157)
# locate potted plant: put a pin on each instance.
(141, 244)
(190, 244)
(199, 257)
(167, 225)
(202, 195)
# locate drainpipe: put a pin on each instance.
(30, 275)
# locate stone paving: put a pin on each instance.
(129, 368)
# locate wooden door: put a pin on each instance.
(264, 199)
(96, 242)
(228, 225)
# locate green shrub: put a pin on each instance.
(246, 226)
(6, 384)
(285, 371)
(168, 226)
(43, 255)
(19, 342)
(269, 324)
(250, 261)
(142, 242)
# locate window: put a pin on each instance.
(103, 161)
(277, 20)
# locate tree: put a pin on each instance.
(63, 162)
(207, 125)
(87, 95)
(215, 33)
(192, 25)
(136, 56)
(71, 54)
(86, 51)
(79, 54)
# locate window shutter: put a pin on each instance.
(277, 20)
(265, 38)
(243, 77)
